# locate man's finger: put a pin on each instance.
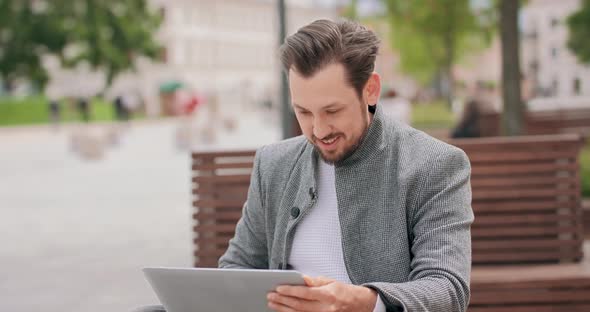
(275, 306)
(296, 304)
(303, 292)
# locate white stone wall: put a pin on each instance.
(545, 35)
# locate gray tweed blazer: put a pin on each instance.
(404, 201)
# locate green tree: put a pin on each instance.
(579, 32)
(350, 11)
(26, 34)
(431, 36)
(109, 35)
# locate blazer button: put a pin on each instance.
(295, 212)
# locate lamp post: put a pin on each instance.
(287, 118)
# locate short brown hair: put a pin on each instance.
(325, 42)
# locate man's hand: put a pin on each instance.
(322, 294)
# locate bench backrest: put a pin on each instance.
(526, 199)
(221, 181)
(543, 122)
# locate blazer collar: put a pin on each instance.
(371, 143)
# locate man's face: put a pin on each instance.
(329, 112)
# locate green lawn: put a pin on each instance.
(35, 110)
(432, 115)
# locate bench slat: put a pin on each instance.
(525, 256)
(528, 169)
(531, 244)
(540, 296)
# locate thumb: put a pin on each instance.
(309, 281)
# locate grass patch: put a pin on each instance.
(432, 115)
(35, 110)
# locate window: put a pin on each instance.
(163, 55)
(554, 52)
(554, 87)
(554, 22)
(577, 86)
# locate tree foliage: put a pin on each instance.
(579, 32)
(108, 35)
(25, 35)
(431, 36)
(350, 11)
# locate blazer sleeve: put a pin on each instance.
(248, 248)
(440, 223)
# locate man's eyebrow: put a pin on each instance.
(331, 105)
(297, 106)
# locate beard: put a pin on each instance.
(333, 158)
(340, 156)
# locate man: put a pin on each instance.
(381, 209)
(375, 213)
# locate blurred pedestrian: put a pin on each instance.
(84, 109)
(132, 102)
(192, 103)
(470, 122)
(54, 113)
(121, 110)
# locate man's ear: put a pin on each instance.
(372, 89)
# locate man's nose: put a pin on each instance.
(320, 128)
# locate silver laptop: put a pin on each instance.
(217, 290)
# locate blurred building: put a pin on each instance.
(222, 49)
(550, 69)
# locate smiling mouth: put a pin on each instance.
(330, 141)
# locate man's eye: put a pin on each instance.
(303, 113)
(332, 111)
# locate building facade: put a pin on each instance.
(223, 49)
(549, 66)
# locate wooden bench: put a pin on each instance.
(526, 200)
(536, 288)
(221, 181)
(543, 122)
(527, 237)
